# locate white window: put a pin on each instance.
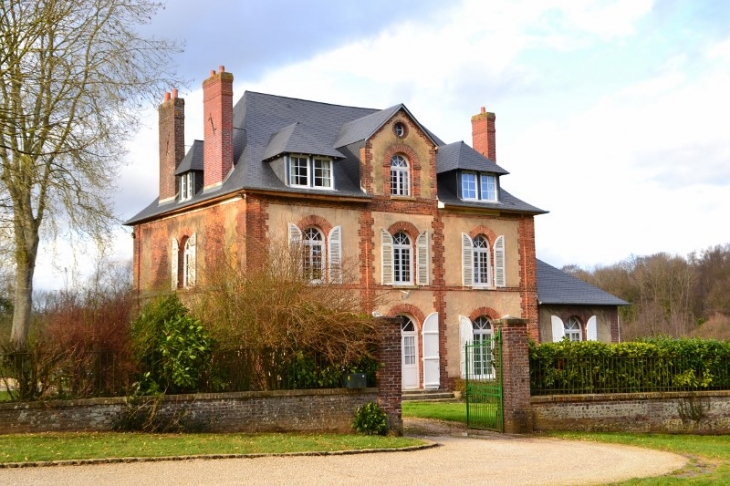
(572, 329)
(476, 262)
(469, 185)
(307, 171)
(400, 184)
(402, 259)
(478, 187)
(187, 186)
(397, 259)
(189, 263)
(488, 185)
(482, 267)
(482, 362)
(313, 255)
(311, 243)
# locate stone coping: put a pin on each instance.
(190, 397)
(118, 460)
(617, 397)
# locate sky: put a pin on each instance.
(611, 115)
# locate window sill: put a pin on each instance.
(403, 198)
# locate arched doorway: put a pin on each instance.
(409, 353)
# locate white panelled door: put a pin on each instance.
(431, 370)
(409, 352)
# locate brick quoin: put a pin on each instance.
(528, 275)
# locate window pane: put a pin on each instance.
(322, 173)
(298, 173)
(312, 254)
(399, 176)
(401, 258)
(468, 185)
(489, 187)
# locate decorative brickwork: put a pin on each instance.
(314, 220)
(409, 309)
(528, 275)
(414, 165)
(483, 230)
(405, 227)
(484, 311)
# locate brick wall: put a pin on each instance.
(329, 410)
(671, 412)
(389, 375)
(515, 376)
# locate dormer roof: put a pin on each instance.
(295, 138)
(459, 155)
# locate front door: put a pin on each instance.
(431, 375)
(409, 347)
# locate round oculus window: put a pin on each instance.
(400, 129)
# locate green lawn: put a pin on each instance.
(710, 455)
(62, 446)
(455, 412)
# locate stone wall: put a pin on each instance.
(670, 412)
(327, 410)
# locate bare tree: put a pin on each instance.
(74, 74)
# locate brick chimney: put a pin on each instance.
(218, 132)
(172, 142)
(482, 134)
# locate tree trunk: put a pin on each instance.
(26, 254)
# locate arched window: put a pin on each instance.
(402, 259)
(573, 329)
(482, 264)
(400, 180)
(482, 362)
(312, 254)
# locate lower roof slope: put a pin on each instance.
(557, 287)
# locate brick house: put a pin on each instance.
(426, 223)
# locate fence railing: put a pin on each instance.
(30, 376)
(627, 374)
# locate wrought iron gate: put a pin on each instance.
(484, 383)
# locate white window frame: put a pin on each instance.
(310, 172)
(187, 186)
(488, 187)
(482, 262)
(400, 176)
(481, 331)
(469, 186)
(479, 186)
(313, 263)
(402, 259)
(572, 329)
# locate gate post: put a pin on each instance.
(515, 376)
(389, 375)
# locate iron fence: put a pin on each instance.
(627, 374)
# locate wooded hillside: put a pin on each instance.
(669, 295)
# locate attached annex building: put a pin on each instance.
(425, 222)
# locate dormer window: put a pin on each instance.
(187, 186)
(478, 186)
(310, 171)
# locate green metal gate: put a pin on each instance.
(484, 383)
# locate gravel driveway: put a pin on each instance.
(484, 459)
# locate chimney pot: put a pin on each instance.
(174, 93)
(212, 72)
(167, 96)
(221, 68)
(484, 110)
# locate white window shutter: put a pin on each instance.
(466, 335)
(592, 329)
(386, 242)
(192, 267)
(174, 264)
(295, 235)
(334, 257)
(558, 328)
(467, 260)
(499, 274)
(422, 258)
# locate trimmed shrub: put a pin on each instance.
(370, 419)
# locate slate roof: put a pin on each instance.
(265, 126)
(459, 155)
(557, 287)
